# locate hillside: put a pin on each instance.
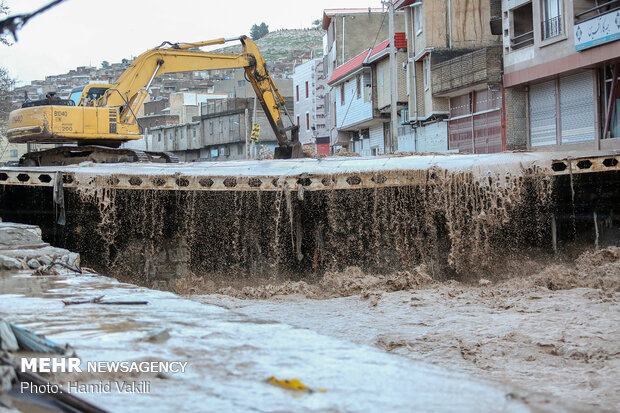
(286, 44)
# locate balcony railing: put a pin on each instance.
(552, 27)
(522, 40)
(602, 7)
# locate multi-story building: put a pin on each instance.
(349, 33)
(561, 71)
(363, 87)
(220, 133)
(453, 77)
(309, 88)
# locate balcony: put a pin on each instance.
(522, 32)
(588, 9)
(522, 40)
(596, 25)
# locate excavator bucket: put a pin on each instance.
(293, 151)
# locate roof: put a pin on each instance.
(349, 67)
(329, 13)
(381, 47)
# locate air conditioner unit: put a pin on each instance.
(404, 116)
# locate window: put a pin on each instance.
(297, 92)
(522, 27)
(307, 121)
(211, 127)
(358, 85)
(298, 121)
(427, 72)
(418, 19)
(221, 125)
(552, 18)
(194, 132)
(342, 94)
(380, 75)
(13, 153)
(230, 123)
(241, 83)
(158, 136)
(307, 90)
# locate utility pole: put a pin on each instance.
(253, 154)
(247, 133)
(393, 141)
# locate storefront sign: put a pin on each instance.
(597, 31)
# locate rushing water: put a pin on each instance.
(231, 355)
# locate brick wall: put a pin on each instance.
(516, 119)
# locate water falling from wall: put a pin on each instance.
(454, 223)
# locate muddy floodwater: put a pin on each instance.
(232, 353)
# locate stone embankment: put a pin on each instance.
(22, 248)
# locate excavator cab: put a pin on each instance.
(84, 95)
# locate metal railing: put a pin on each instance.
(525, 39)
(603, 8)
(552, 27)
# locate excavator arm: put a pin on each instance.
(131, 88)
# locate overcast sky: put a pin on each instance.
(86, 32)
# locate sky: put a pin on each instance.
(87, 32)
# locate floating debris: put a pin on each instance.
(294, 384)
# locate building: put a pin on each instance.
(453, 77)
(309, 89)
(220, 133)
(186, 104)
(11, 152)
(363, 86)
(349, 33)
(561, 68)
(235, 85)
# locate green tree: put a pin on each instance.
(105, 64)
(317, 24)
(259, 31)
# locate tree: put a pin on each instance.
(6, 99)
(7, 83)
(317, 24)
(105, 64)
(259, 31)
(4, 10)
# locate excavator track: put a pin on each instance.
(71, 155)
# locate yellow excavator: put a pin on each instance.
(98, 118)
